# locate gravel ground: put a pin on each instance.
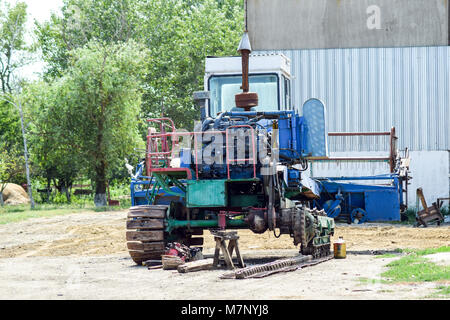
(83, 256)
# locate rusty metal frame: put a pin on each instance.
(392, 150)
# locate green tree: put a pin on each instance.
(82, 21)
(54, 155)
(102, 99)
(178, 34)
(10, 134)
(12, 56)
(12, 43)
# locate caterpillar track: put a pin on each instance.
(146, 235)
(300, 236)
(145, 232)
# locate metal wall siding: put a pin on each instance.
(374, 89)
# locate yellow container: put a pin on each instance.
(340, 249)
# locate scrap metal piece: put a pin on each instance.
(429, 215)
(272, 266)
(293, 268)
(277, 266)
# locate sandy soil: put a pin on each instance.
(83, 256)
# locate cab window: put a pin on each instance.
(224, 88)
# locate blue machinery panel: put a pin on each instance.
(314, 115)
(359, 202)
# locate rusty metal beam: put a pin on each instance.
(348, 134)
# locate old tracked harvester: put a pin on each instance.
(241, 168)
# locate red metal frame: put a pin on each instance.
(157, 152)
(160, 151)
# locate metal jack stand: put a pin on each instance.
(227, 251)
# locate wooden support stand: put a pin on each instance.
(227, 251)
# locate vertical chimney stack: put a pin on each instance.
(246, 99)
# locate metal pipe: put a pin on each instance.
(257, 113)
(345, 134)
(235, 223)
(245, 61)
(357, 159)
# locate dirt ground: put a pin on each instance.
(84, 256)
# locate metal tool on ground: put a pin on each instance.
(429, 215)
(220, 237)
(277, 266)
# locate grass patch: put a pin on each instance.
(366, 281)
(10, 214)
(415, 268)
(395, 253)
(443, 290)
(387, 255)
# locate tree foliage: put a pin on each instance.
(110, 65)
(54, 156)
(12, 43)
(12, 56)
(10, 134)
(178, 34)
(83, 21)
(89, 118)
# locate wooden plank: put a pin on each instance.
(239, 257)
(198, 265)
(145, 224)
(171, 262)
(226, 255)
(216, 253)
(231, 246)
(145, 235)
(148, 246)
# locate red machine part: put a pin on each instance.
(160, 149)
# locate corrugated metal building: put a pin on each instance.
(374, 89)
